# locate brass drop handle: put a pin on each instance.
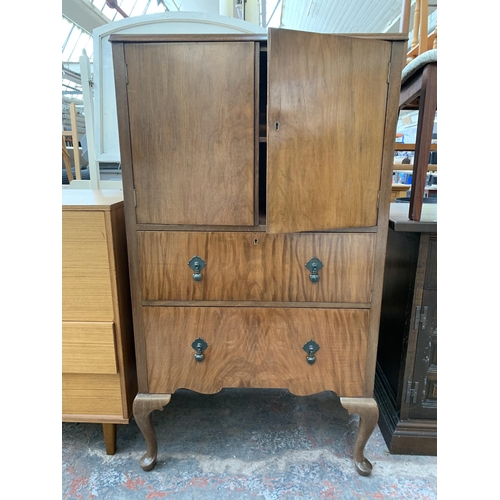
(199, 345)
(311, 359)
(314, 265)
(314, 277)
(197, 264)
(311, 348)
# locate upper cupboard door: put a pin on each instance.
(192, 131)
(326, 118)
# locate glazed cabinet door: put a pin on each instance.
(327, 99)
(192, 132)
(422, 393)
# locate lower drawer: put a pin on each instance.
(256, 347)
(91, 394)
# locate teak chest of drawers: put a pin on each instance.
(257, 178)
(99, 380)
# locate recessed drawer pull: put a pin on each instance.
(197, 264)
(199, 345)
(314, 265)
(311, 348)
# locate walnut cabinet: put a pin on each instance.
(257, 180)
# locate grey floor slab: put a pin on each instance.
(242, 444)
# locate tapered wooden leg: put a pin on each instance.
(109, 431)
(143, 406)
(367, 409)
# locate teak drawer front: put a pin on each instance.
(87, 295)
(91, 394)
(84, 240)
(256, 347)
(88, 348)
(86, 275)
(256, 266)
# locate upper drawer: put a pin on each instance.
(88, 348)
(84, 242)
(257, 266)
(86, 272)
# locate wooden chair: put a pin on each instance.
(73, 133)
(419, 91)
(65, 157)
(421, 40)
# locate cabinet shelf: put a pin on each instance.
(399, 146)
(408, 167)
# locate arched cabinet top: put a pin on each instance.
(107, 149)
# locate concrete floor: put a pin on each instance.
(242, 444)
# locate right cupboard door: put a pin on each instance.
(327, 99)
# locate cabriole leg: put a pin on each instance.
(367, 409)
(144, 405)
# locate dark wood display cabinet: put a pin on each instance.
(406, 375)
(257, 181)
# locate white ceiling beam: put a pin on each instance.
(84, 14)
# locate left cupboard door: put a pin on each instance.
(192, 131)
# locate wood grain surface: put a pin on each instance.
(391, 118)
(84, 240)
(86, 279)
(325, 133)
(122, 110)
(98, 358)
(88, 348)
(91, 394)
(256, 266)
(192, 130)
(121, 289)
(254, 347)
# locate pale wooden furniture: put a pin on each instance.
(399, 190)
(90, 179)
(257, 259)
(65, 157)
(421, 40)
(99, 379)
(73, 134)
(406, 377)
(431, 167)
